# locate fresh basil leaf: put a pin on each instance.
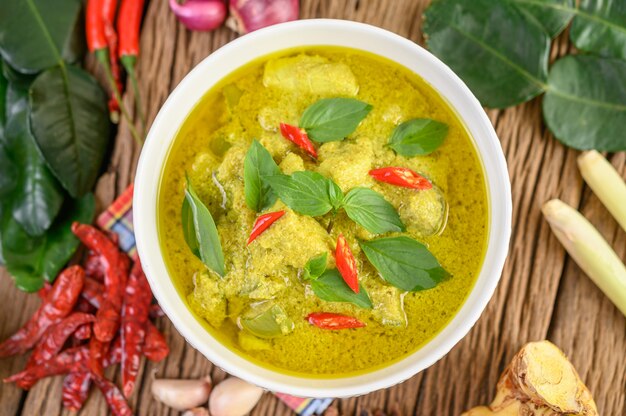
(585, 106)
(371, 211)
(305, 192)
(420, 136)
(8, 173)
(315, 267)
(600, 27)
(189, 231)
(331, 287)
(37, 196)
(208, 239)
(38, 34)
(257, 165)
(475, 39)
(61, 243)
(69, 120)
(404, 263)
(331, 119)
(335, 195)
(270, 323)
(552, 15)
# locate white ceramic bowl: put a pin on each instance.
(337, 33)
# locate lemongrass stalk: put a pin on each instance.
(605, 182)
(589, 250)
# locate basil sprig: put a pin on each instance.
(420, 136)
(370, 210)
(331, 287)
(404, 263)
(331, 119)
(257, 165)
(201, 233)
(306, 192)
(315, 267)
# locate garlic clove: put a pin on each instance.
(182, 394)
(233, 397)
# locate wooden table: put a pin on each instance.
(542, 294)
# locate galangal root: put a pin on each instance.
(540, 381)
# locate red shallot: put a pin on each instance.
(202, 15)
(249, 15)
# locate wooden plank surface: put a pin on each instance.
(542, 293)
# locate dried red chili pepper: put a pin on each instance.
(137, 302)
(263, 222)
(334, 321)
(45, 289)
(156, 311)
(113, 396)
(58, 303)
(299, 137)
(75, 390)
(155, 347)
(93, 266)
(68, 360)
(115, 353)
(97, 353)
(108, 316)
(93, 292)
(404, 177)
(346, 264)
(83, 332)
(54, 339)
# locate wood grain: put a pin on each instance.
(542, 293)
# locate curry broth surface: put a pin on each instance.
(217, 124)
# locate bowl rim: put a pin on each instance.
(330, 32)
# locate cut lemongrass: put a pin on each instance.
(605, 182)
(589, 249)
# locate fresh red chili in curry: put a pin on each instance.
(263, 222)
(404, 177)
(333, 321)
(346, 264)
(299, 137)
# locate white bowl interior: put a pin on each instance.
(290, 35)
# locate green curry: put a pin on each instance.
(256, 298)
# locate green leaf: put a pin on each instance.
(331, 287)
(37, 196)
(315, 267)
(552, 15)
(61, 243)
(480, 41)
(272, 322)
(305, 192)
(331, 119)
(8, 173)
(420, 136)
(189, 231)
(335, 195)
(3, 103)
(69, 120)
(38, 34)
(585, 106)
(370, 210)
(207, 237)
(600, 27)
(404, 263)
(258, 165)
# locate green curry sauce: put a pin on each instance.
(451, 219)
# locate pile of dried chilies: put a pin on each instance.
(93, 316)
(113, 48)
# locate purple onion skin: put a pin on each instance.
(250, 15)
(200, 15)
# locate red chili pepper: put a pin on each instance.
(45, 289)
(299, 137)
(56, 336)
(93, 292)
(76, 389)
(97, 353)
(404, 177)
(108, 317)
(109, 8)
(327, 320)
(83, 332)
(114, 355)
(58, 304)
(155, 347)
(156, 311)
(137, 302)
(262, 223)
(93, 266)
(346, 264)
(96, 40)
(113, 396)
(69, 360)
